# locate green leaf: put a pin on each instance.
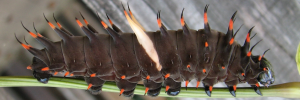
(298, 58)
(288, 90)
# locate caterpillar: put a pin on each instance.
(161, 58)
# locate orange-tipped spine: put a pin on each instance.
(50, 24)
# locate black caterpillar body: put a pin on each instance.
(161, 58)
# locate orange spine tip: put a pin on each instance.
(58, 25)
(125, 13)
(121, 92)
(186, 83)
(231, 41)
(234, 87)
(123, 77)
(231, 24)
(71, 74)
(182, 21)
(257, 85)
(206, 44)
(159, 22)
(104, 25)
(111, 23)
(67, 73)
(93, 75)
(86, 22)
(243, 74)
(265, 69)
(210, 88)
(223, 67)
(198, 82)
(205, 18)
(130, 13)
(248, 38)
(39, 35)
(25, 46)
(79, 23)
(188, 66)
(55, 73)
(167, 87)
(249, 54)
(148, 77)
(45, 69)
(51, 25)
(32, 34)
(29, 67)
(259, 58)
(146, 90)
(90, 85)
(168, 75)
(204, 70)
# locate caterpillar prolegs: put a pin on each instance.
(161, 58)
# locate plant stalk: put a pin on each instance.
(287, 90)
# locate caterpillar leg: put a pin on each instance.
(94, 84)
(254, 83)
(42, 77)
(154, 92)
(208, 85)
(256, 89)
(126, 88)
(231, 84)
(172, 87)
(208, 89)
(232, 90)
(152, 88)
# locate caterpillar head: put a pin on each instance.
(266, 77)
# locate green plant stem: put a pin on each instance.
(288, 90)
